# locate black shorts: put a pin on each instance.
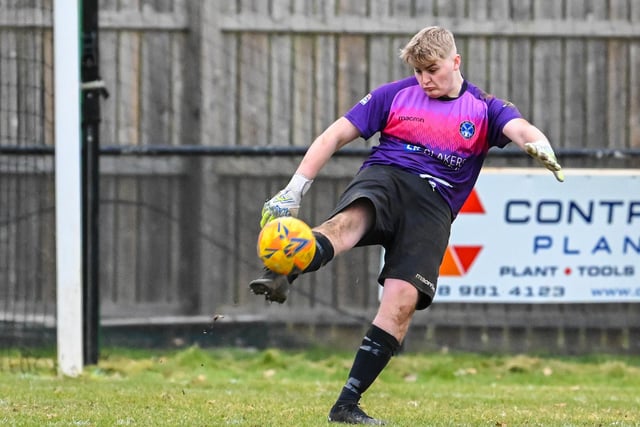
(412, 223)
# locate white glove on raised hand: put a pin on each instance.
(543, 153)
(287, 201)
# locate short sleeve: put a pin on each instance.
(500, 113)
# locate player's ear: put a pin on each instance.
(457, 60)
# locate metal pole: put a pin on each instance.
(92, 89)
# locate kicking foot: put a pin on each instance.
(274, 287)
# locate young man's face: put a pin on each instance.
(438, 78)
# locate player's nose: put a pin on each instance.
(425, 78)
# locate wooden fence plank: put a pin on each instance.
(45, 243)
(617, 94)
(575, 97)
(399, 8)
(9, 118)
(351, 79)
(521, 64)
(246, 230)
(253, 103)
(424, 9)
(282, 73)
(125, 236)
(48, 88)
(476, 50)
(154, 248)
(108, 277)
(109, 73)
(449, 8)
(398, 69)
(218, 56)
(9, 231)
(30, 103)
(218, 59)
(476, 60)
(380, 52)
(596, 74)
(325, 95)
(224, 244)
(127, 93)
(184, 97)
(498, 73)
(27, 244)
(156, 90)
(301, 120)
(547, 75)
(253, 80)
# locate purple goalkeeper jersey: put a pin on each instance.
(444, 140)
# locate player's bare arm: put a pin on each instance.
(287, 201)
(337, 135)
(534, 142)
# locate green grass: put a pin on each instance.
(232, 387)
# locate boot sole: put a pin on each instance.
(261, 288)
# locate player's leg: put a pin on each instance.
(333, 237)
(413, 254)
(397, 306)
(345, 229)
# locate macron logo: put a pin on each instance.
(458, 259)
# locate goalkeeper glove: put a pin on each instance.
(287, 201)
(543, 153)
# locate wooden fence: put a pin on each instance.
(177, 233)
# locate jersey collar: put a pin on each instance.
(463, 89)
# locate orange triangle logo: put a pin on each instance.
(449, 266)
(472, 205)
(458, 260)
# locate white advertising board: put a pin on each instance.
(523, 237)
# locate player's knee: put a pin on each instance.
(397, 306)
(403, 294)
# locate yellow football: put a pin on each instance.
(286, 245)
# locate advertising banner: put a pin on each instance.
(523, 237)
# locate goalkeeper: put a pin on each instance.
(435, 131)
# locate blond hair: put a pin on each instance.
(428, 46)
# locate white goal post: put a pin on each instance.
(68, 187)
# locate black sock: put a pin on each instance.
(324, 253)
(375, 352)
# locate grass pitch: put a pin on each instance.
(232, 387)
